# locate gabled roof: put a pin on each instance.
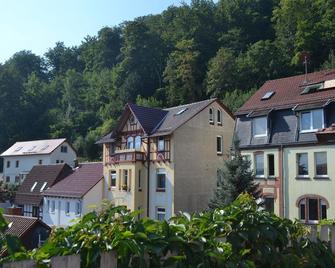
(20, 225)
(38, 176)
(157, 122)
(287, 92)
(83, 179)
(33, 147)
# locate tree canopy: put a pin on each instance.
(223, 49)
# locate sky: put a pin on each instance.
(37, 25)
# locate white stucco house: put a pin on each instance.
(74, 196)
(20, 158)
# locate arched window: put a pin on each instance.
(312, 208)
(211, 116)
(219, 119)
(130, 143)
(138, 142)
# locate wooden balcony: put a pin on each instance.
(125, 156)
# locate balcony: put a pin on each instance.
(124, 156)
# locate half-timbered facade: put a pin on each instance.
(161, 161)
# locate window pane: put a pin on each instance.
(317, 116)
(302, 212)
(113, 178)
(160, 144)
(306, 121)
(130, 143)
(302, 164)
(313, 209)
(259, 164)
(161, 181)
(269, 204)
(323, 211)
(219, 144)
(260, 126)
(219, 116)
(138, 142)
(271, 164)
(321, 163)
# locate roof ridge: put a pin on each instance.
(41, 140)
(188, 104)
(325, 72)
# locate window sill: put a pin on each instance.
(160, 190)
(260, 177)
(272, 178)
(261, 136)
(112, 188)
(219, 153)
(326, 177)
(308, 131)
(219, 124)
(211, 122)
(302, 178)
(140, 189)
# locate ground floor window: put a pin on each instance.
(269, 204)
(160, 213)
(312, 209)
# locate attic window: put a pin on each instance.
(43, 186)
(268, 95)
(33, 187)
(18, 149)
(181, 111)
(131, 119)
(312, 88)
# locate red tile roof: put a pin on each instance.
(288, 92)
(85, 177)
(20, 225)
(40, 174)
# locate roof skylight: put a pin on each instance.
(312, 88)
(44, 147)
(18, 149)
(33, 187)
(268, 95)
(43, 186)
(181, 111)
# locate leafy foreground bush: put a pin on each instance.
(238, 235)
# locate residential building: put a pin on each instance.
(31, 231)
(162, 161)
(19, 159)
(286, 129)
(74, 196)
(29, 194)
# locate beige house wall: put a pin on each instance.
(295, 188)
(93, 198)
(196, 158)
(269, 185)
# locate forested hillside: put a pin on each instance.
(224, 49)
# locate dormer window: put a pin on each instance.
(260, 126)
(211, 116)
(311, 121)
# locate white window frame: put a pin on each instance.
(317, 175)
(78, 208)
(161, 171)
(33, 187)
(130, 142)
(219, 152)
(297, 166)
(53, 206)
(311, 123)
(254, 122)
(43, 186)
(219, 122)
(255, 165)
(160, 211)
(161, 144)
(211, 115)
(113, 177)
(67, 208)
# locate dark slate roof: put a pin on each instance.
(288, 92)
(50, 174)
(158, 122)
(149, 118)
(84, 177)
(20, 225)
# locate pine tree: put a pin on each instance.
(235, 178)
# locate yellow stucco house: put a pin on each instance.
(162, 161)
(286, 129)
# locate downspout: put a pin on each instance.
(282, 183)
(148, 179)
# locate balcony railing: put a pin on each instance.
(125, 156)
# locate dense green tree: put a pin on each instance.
(234, 179)
(182, 74)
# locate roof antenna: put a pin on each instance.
(305, 56)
